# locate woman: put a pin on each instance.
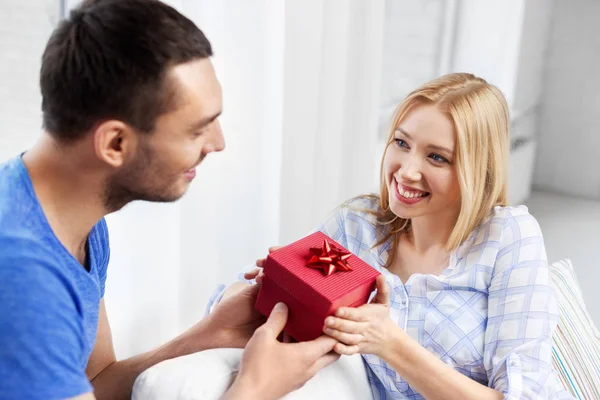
(470, 311)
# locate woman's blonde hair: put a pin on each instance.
(479, 113)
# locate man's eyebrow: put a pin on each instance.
(203, 122)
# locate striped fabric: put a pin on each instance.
(576, 352)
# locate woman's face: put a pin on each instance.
(419, 165)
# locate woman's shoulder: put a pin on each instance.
(505, 225)
(364, 205)
(516, 219)
(508, 235)
(354, 221)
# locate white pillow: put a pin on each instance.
(576, 352)
(208, 374)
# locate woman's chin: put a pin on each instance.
(403, 212)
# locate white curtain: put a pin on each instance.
(301, 83)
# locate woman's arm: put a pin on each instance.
(429, 375)
(369, 330)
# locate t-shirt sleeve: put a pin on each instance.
(41, 333)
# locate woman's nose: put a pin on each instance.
(410, 169)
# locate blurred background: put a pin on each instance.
(302, 77)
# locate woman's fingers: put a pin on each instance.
(345, 350)
(353, 314)
(344, 325)
(383, 291)
(344, 337)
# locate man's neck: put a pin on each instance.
(68, 189)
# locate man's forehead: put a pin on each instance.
(195, 84)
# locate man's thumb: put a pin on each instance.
(277, 319)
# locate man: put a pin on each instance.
(130, 109)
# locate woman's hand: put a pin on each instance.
(367, 329)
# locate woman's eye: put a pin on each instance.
(437, 158)
(401, 143)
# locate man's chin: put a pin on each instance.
(166, 197)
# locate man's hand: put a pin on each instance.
(271, 369)
(256, 274)
(234, 320)
(261, 261)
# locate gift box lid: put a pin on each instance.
(288, 267)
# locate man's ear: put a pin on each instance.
(114, 142)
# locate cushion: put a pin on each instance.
(576, 352)
(208, 374)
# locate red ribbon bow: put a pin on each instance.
(329, 259)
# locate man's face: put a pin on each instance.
(164, 162)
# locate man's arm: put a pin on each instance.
(103, 354)
(87, 396)
(114, 379)
(269, 368)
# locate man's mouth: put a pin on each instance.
(190, 174)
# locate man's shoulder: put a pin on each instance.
(17, 200)
(30, 270)
(11, 175)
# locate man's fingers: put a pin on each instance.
(274, 248)
(277, 320)
(259, 278)
(250, 290)
(318, 347)
(252, 274)
(383, 291)
(324, 361)
(261, 261)
(287, 338)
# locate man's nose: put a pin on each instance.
(217, 140)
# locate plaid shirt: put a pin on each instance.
(490, 315)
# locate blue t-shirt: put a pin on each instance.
(48, 301)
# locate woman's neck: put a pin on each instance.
(430, 232)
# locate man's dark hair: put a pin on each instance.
(109, 61)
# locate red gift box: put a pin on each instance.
(297, 275)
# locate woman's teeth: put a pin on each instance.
(411, 195)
